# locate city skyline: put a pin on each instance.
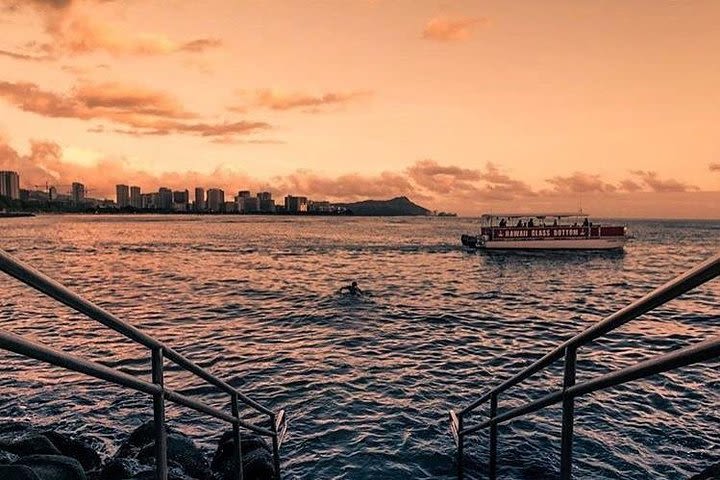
(131, 198)
(463, 107)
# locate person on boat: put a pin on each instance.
(531, 223)
(352, 289)
(585, 222)
(503, 223)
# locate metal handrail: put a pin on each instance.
(702, 351)
(156, 388)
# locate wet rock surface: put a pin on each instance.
(28, 453)
(257, 458)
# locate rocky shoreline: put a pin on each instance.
(30, 453)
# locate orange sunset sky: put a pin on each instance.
(468, 106)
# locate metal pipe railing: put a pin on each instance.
(41, 282)
(689, 280)
(699, 352)
(159, 352)
(17, 344)
(702, 351)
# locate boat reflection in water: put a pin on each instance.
(545, 231)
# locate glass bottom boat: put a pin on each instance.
(545, 231)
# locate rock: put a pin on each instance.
(710, 473)
(6, 458)
(53, 467)
(121, 468)
(30, 444)
(185, 459)
(126, 469)
(256, 453)
(75, 447)
(17, 472)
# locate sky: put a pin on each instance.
(465, 106)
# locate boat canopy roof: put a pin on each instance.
(534, 215)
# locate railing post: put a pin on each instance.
(161, 468)
(568, 415)
(461, 448)
(493, 437)
(237, 453)
(276, 447)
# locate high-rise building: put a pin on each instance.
(247, 204)
(78, 193)
(181, 196)
(181, 200)
(52, 194)
(122, 196)
(231, 207)
(149, 201)
(199, 199)
(266, 204)
(10, 184)
(135, 197)
(215, 200)
(165, 199)
(296, 204)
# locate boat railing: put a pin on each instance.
(698, 352)
(159, 352)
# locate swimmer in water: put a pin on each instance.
(352, 289)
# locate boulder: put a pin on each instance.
(6, 458)
(121, 468)
(75, 447)
(53, 467)
(17, 472)
(30, 444)
(185, 459)
(256, 456)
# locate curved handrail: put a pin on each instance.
(41, 282)
(698, 352)
(702, 273)
(159, 351)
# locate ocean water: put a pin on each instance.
(367, 382)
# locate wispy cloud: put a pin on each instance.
(580, 182)
(451, 29)
(75, 29)
(714, 167)
(656, 184)
(283, 101)
(141, 111)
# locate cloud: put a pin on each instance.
(46, 163)
(54, 4)
(655, 184)
(466, 190)
(580, 182)
(75, 29)
(141, 111)
(468, 184)
(275, 100)
(346, 187)
(714, 167)
(451, 29)
(630, 186)
(23, 56)
(78, 34)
